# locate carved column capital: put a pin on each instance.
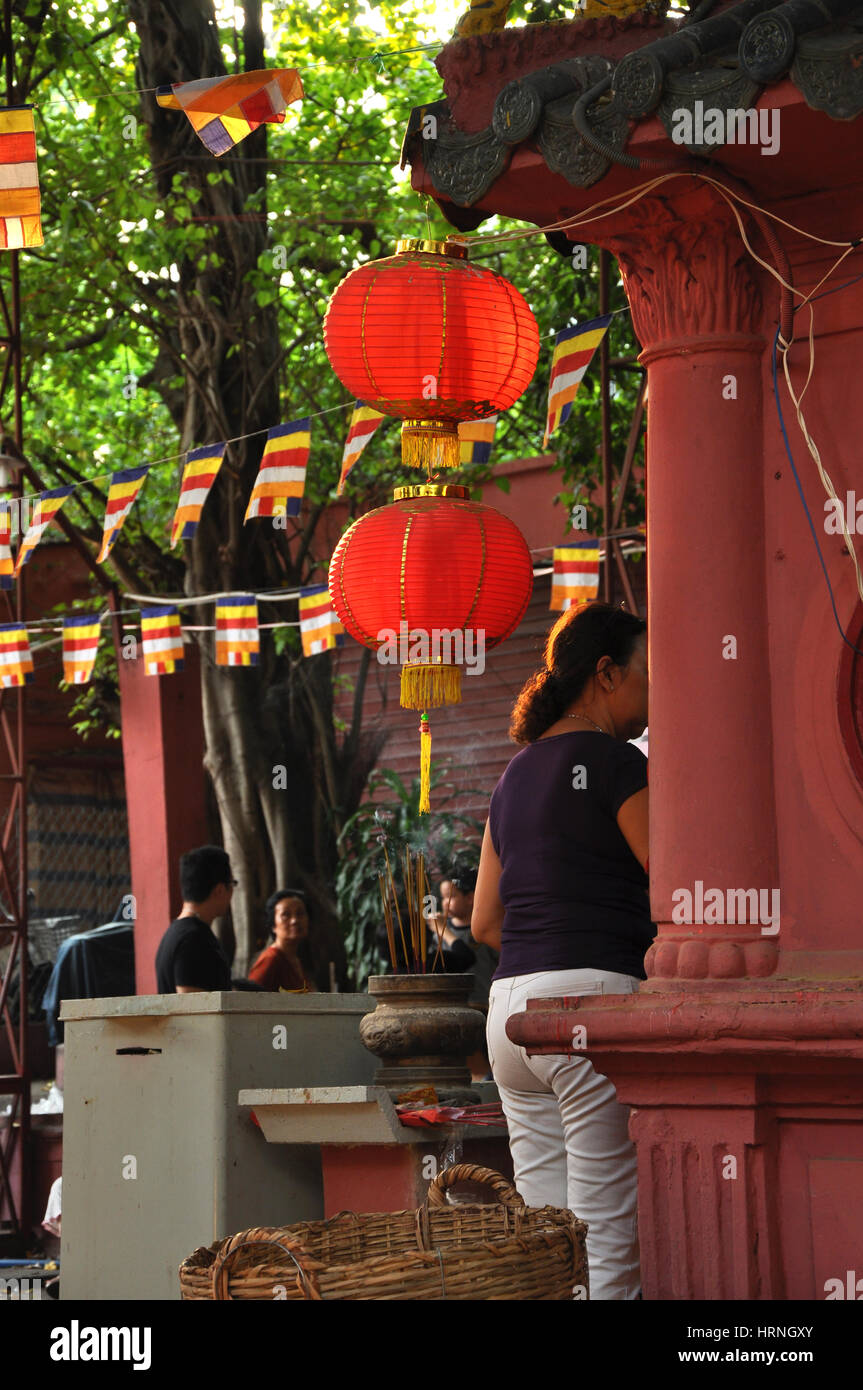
(688, 277)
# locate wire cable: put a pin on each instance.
(802, 495)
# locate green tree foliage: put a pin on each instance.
(390, 818)
(333, 198)
(179, 299)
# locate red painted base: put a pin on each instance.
(396, 1177)
(748, 1121)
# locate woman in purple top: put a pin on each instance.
(562, 893)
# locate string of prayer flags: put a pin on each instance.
(224, 110)
(573, 349)
(237, 640)
(162, 640)
(7, 564)
(199, 474)
(123, 490)
(320, 629)
(575, 578)
(48, 504)
(281, 479)
(16, 661)
(476, 438)
(364, 422)
(80, 644)
(20, 205)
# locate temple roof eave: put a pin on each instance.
(648, 102)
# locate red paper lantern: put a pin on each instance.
(425, 336)
(429, 574)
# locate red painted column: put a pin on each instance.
(742, 1074)
(696, 307)
(163, 752)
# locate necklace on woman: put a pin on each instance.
(589, 720)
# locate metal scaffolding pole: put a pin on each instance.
(15, 1159)
(16, 1215)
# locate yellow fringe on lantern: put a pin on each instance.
(425, 766)
(430, 444)
(429, 687)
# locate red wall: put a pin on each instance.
(473, 736)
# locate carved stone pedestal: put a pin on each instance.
(423, 1030)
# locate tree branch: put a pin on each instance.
(120, 27)
(85, 340)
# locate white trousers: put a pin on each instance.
(568, 1134)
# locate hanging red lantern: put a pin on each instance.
(436, 580)
(425, 336)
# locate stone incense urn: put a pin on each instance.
(423, 1030)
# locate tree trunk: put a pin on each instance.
(278, 714)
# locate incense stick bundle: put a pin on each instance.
(392, 888)
(388, 922)
(415, 892)
(414, 908)
(438, 930)
(420, 867)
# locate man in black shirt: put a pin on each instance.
(190, 959)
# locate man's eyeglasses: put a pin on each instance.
(232, 882)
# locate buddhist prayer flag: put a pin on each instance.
(80, 645)
(20, 219)
(7, 564)
(48, 504)
(573, 349)
(475, 440)
(122, 492)
(16, 663)
(199, 474)
(319, 627)
(281, 478)
(237, 641)
(576, 574)
(224, 110)
(364, 422)
(162, 639)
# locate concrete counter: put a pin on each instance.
(158, 1155)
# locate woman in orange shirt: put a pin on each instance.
(284, 965)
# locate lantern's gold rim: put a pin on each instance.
(434, 426)
(455, 249)
(436, 663)
(401, 494)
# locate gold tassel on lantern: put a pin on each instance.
(430, 686)
(430, 444)
(425, 763)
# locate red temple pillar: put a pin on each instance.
(741, 1056)
(163, 754)
(697, 309)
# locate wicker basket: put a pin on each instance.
(494, 1251)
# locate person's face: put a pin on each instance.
(290, 924)
(445, 891)
(629, 698)
(221, 897)
(458, 904)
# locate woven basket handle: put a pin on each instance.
(472, 1172)
(260, 1235)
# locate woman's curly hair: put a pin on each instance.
(579, 639)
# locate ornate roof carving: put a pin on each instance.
(724, 62)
